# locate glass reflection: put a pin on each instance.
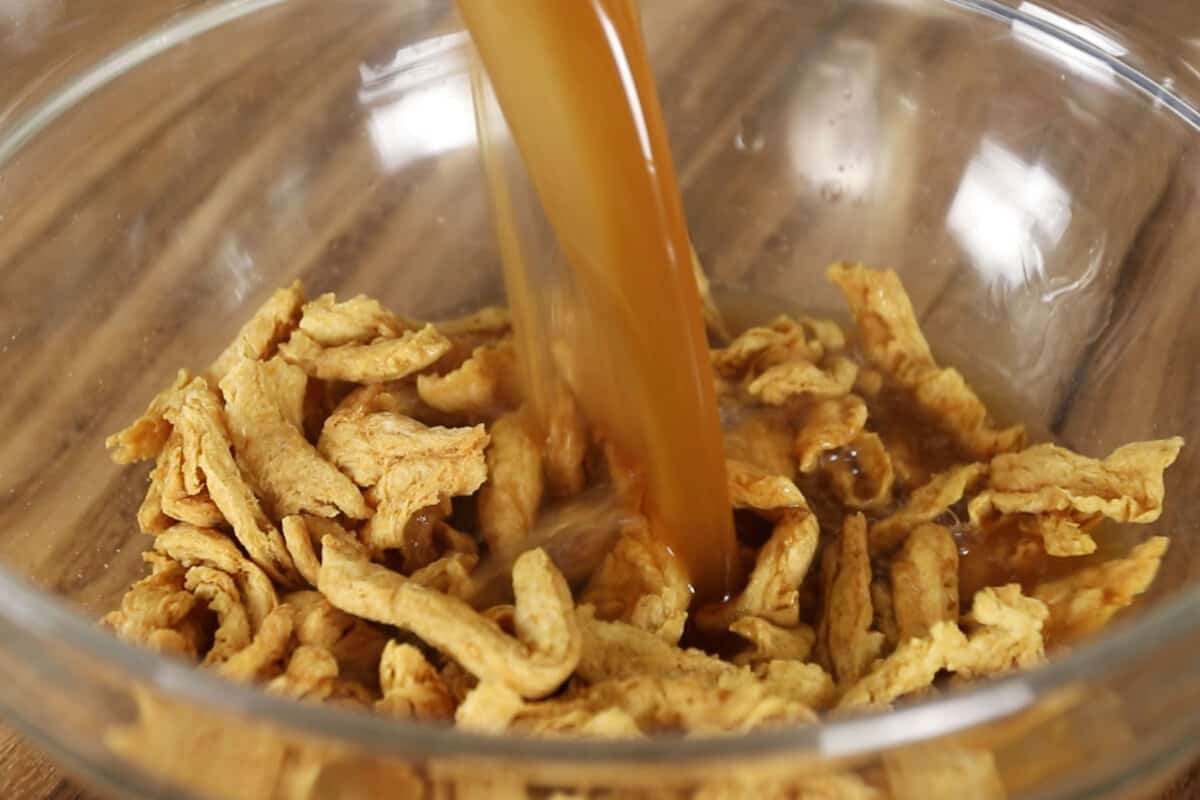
(834, 136)
(1069, 55)
(1007, 214)
(240, 275)
(1087, 33)
(24, 23)
(419, 103)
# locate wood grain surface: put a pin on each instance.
(227, 170)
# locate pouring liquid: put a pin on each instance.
(624, 321)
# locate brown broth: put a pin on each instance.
(625, 322)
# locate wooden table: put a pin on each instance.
(329, 253)
(26, 774)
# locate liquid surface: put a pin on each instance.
(624, 324)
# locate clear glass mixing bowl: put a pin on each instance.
(1029, 170)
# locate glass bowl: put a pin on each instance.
(1028, 169)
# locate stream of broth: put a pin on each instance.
(623, 323)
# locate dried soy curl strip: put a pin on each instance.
(641, 583)
(1127, 486)
(1083, 603)
(534, 663)
(339, 500)
(892, 341)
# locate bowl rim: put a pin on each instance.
(961, 708)
(51, 618)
